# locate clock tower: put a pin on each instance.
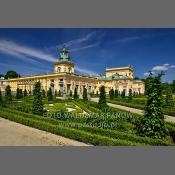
(64, 63)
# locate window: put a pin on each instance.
(59, 69)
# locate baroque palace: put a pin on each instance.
(65, 80)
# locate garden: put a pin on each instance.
(90, 122)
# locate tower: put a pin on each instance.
(64, 63)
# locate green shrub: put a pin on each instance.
(68, 132)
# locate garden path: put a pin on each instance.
(133, 110)
(15, 134)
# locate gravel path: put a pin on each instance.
(15, 134)
(133, 110)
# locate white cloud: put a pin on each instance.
(160, 68)
(129, 39)
(86, 71)
(166, 64)
(163, 67)
(77, 41)
(20, 51)
(172, 66)
(84, 47)
(26, 53)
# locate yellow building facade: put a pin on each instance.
(64, 79)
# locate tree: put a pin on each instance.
(2, 75)
(75, 93)
(152, 124)
(56, 93)
(59, 93)
(102, 98)
(134, 93)
(49, 95)
(0, 97)
(169, 98)
(111, 94)
(116, 93)
(25, 93)
(173, 86)
(18, 93)
(70, 93)
(130, 95)
(11, 74)
(8, 94)
(43, 93)
(37, 102)
(85, 98)
(123, 93)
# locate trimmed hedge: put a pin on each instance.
(40, 122)
(68, 132)
(138, 106)
(125, 136)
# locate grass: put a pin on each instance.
(79, 128)
(80, 135)
(138, 103)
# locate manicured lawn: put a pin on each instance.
(138, 103)
(106, 127)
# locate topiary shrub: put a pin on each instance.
(152, 124)
(102, 98)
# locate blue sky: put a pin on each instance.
(33, 51)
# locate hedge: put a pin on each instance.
(120, 136)
(138, 106)
(68, 132)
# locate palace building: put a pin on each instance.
(64, 79)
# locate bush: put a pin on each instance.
(111, 94)
(67, 132)
(25, 93)
(102, 98)
(8, 95)
(37, 103)
(152, 124)
(50, 95)
(85, 98)
(75, 94)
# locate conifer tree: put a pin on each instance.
(85, 98)
(123, 93)
(49, 95)
(130, 95)
(70, 93)
(8, 94)
(102, 98)
(37, 102)
(111, 94)
(18, 93)
(116, 93)
(153, 124)
(56, 93)
(25, 93)
(0, 97)
(75, 94)
(59, 93)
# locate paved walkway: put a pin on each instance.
(133, 110)
(15, 134)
